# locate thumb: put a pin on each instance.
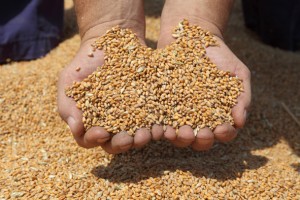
(67, 108)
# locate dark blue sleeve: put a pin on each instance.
(277, 22)
(29, 29)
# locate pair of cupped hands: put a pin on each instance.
(221, 55)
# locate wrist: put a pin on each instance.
(95, 17)
(99, 29)
(211, 15)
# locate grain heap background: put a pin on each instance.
(40, 160)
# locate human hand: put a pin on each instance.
(127, 14)
(224, 58)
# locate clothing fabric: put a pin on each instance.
(29, 29)
(277, 22)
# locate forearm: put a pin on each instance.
(212, 14)
(97, 16)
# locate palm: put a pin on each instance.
(79, 68)
(223, 57)
(225, 60)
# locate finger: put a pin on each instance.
(225, 132)
(229, 62)
(165, 36)
(170, 133)
(119, 143)
(157, 132)
(204, 140)
(68, 110)
(239, 111)
(141, 137)
(67, 106)
(95, 136)
(185, 136)
(164, 40)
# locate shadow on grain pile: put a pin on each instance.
(275, 80)
(223, 162)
